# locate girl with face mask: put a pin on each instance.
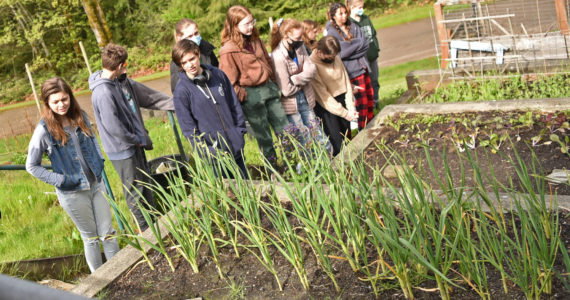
(310, 32)
(294, 72)
(357, 16)
(247, 64)
(353, 48)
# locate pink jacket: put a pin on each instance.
(292, 78)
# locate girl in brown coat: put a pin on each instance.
(247, 64)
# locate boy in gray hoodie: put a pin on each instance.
(116, 104)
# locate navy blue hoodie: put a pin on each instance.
(200, 121)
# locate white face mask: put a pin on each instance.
(196, 39)
(359, 12)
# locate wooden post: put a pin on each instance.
(85, 57)
(469, 45)
(561, 15)
(442, 34)
(514, 43)
(33, 88)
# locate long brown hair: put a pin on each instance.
(280, 30)
(309, 25)
(52, 86)
(231, 32)
(330, 14)
(328, 45)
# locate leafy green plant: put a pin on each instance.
(502, 88)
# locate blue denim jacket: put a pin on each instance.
(64, 158)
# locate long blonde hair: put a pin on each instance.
(281, 28)
(52, 86)
(230, 32)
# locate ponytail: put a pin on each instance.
(280, 30)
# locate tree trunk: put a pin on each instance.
(97, 21)
(29, 20)
(72, 32)
(23, 28)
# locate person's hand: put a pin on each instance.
(351, 116)
(69, 182)
(356, 89)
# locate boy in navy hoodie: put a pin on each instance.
(207, 107)
(116, 102)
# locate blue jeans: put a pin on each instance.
(91, 214)
(306, 121)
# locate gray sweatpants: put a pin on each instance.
(131, 173)
(91, 214)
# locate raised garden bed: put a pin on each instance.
(348, 225)
(246, 278)
(498, 140)
(535, 81)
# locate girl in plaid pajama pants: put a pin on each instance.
(353, 54)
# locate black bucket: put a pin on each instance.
(165, 167)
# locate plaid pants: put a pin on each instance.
(363, 99)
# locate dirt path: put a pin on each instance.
(23, 120)
(406, 42)
(399, 44)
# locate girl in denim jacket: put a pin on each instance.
(65, 134)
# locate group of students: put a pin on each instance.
(301, 80)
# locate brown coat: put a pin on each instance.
(330, 81)
(245, 69)
(292, 78)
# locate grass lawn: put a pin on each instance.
(393, 78)
(401, 15)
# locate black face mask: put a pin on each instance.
(121, 78)
(296, 44)
(328, 60)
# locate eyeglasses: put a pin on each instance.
(250, 23)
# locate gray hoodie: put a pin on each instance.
(120, 125)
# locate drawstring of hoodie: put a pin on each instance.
(219, 116)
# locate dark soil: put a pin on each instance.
(245, 277)
(257, 283)
(441, 138)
